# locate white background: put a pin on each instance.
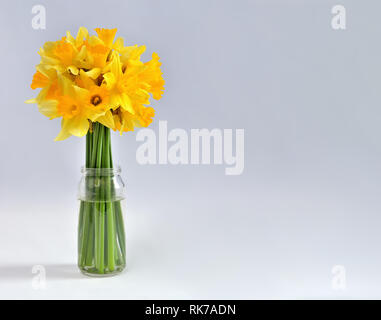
(308, 98)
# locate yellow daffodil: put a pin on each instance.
(79, 105)
(113, 81)
(96, 78)
(71, 106)
(47, 80)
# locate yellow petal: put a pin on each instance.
(64, 133)
(133, 52)
(109, 80)
(78, 126)
(31, 101)
(48, 108)
(81, 56)
(73, 70)
(84, 81)
(82, 33)
(70, 38)
(116, 66)
(94, 40)
(123, 101)
(49, 61)
(80, 93)
(126, 103)
(93, 73)
(66, 85)
(118, 44)
(107, 120)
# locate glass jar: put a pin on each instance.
(101, 235)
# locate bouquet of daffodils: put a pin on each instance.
(95, 83)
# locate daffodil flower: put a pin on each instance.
(92, 78)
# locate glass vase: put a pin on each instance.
(101, 234)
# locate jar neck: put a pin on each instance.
(101, 172)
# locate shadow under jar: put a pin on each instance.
(101, 234)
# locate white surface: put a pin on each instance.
(226, 254)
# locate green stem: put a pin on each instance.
(101, 233)
(87, 250)
(85, 212)
(109, 206)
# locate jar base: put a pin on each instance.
(95, 274)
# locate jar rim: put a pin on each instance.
(101, 171)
